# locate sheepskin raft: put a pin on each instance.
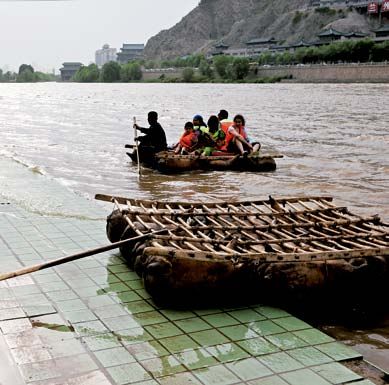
(279, 249)
(166, 162)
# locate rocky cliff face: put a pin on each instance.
(234, 22)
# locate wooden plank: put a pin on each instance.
(221, 212)
(268, 228)
(281, 200)
(271, 257)
(365, 238)
(77, 256)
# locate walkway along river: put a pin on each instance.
(334, 138)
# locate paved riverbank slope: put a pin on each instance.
(91, 322)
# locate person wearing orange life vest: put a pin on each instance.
(237, 140)
(188, 140)
(225, 123)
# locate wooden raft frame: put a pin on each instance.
(274, 230)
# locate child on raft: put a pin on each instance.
(188, 140)
(218, 135)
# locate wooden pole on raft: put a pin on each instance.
(73, 257)
(137, 147)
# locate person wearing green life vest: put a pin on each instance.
(215, 136)
(199, 124)
(201, 130)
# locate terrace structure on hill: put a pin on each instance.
(253, 48)
(297, 45)
(329, 35)
(261, 42)
(355, 35)
(258, 45)
(382, 33)
(219, 49)
(130, 52)
(69, 69)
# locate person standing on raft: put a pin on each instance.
(155, 137)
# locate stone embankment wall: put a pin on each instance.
(336, 73)
(168, 73)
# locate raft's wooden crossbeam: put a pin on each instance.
(269, 257)
(300, 227)
(186, 205)
(366, 238)
(199, 239)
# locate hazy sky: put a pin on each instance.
(48, 33)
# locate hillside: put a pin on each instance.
(234, 22)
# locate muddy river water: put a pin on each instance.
(334, 138)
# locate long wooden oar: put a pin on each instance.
(73, 257)
(137, 147)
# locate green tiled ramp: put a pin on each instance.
(91, 322)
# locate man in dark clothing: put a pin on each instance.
(154, 137)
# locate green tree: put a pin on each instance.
(9, 76)
(284, 58)
(149, 64)
(110, 72)
(166, 64)
(1, 75)
(188, 75)
(300, 55)
(89, 74)
(380, 52)
(265, 58)
(136, 71)
(26, 76)
(221, 63)
(179, 62)
(131, 71)
(362, 50)
(195, 60)
(25, 67)
(240, 68)
(311, 55)
(125, 75)
(206, 69)
(43, 77)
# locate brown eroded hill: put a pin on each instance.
(234, 22)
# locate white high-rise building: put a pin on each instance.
(105, 55)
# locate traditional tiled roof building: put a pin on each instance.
(382, 33)
(130, 52)
(69, 69)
